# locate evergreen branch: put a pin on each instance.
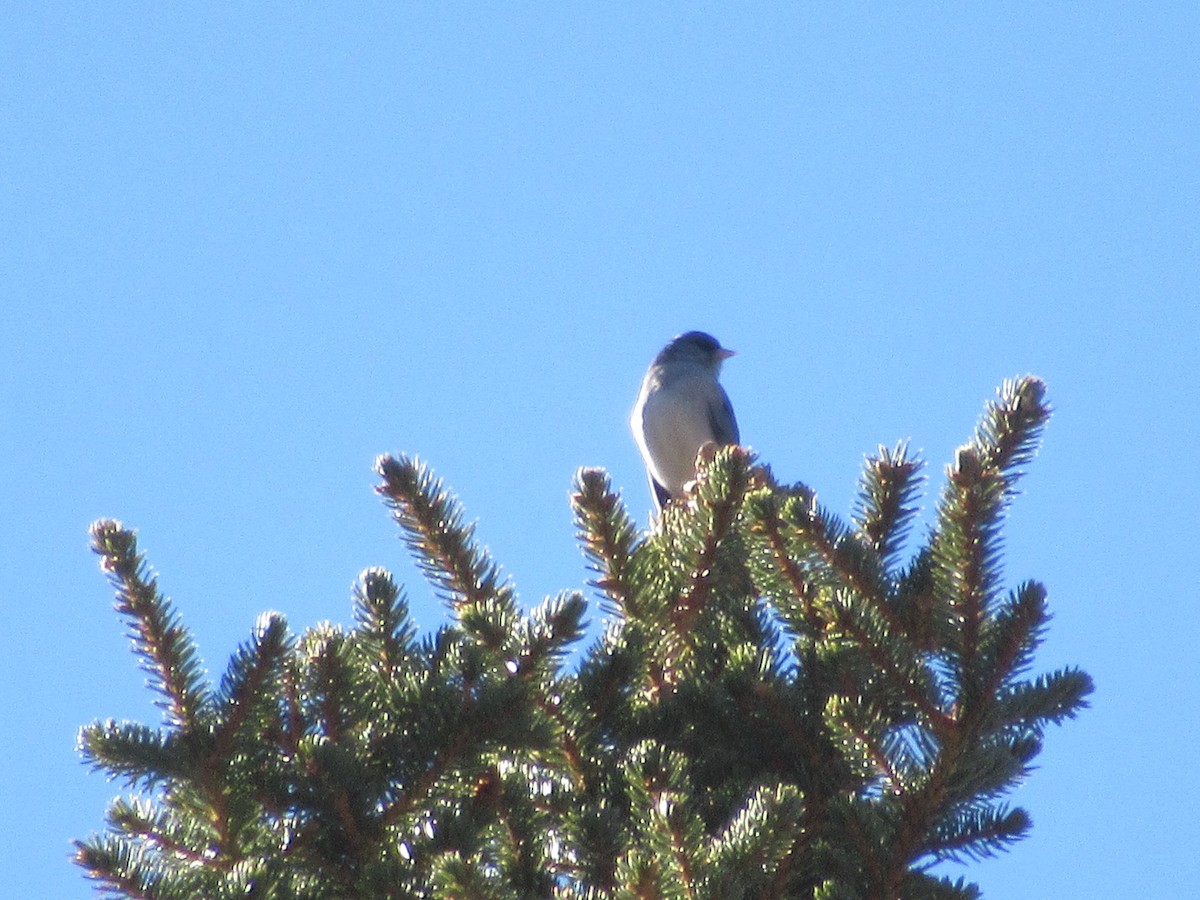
(549, 631)
(762, 828)
(922, 807)
(330, 688)
(509, 799)
(888, 490)
(293, 724)
(607, 535)
(858, 732)
(989, 768)
(722, 485)
(141, 755)
(662, 655)
(410, 796)
(967, 547)
(1011, 636)
(966, 555)
(920, 609)
(679, 863)
(381, 611)
(456, 879)
(1049, 699)
(826, 776)
(339, 785)
(919, 808)
(143, 822)
(346, 818)
(962, 774)
(159, 638)
(120, 870)
(243, 686)
(912, 749)
(493, 793)
(891, 654)
(834, 556)
(760, 841)
(604, 681)
(657, 787)
(976, 832)
(1008, 435)
(864, 829)
(493, 625)
(331, 827)
(764, 512)
(920, 886)
(245, 696)
(444, 547)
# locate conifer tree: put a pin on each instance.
(781, 704)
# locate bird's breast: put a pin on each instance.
(674, 425)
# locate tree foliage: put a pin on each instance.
(779, 705)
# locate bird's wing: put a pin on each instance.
(720, 417)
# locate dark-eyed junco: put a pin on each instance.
(681, 407)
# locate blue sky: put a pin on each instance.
(244, 249)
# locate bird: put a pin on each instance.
(680, 408)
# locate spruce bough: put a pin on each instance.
(779, 705)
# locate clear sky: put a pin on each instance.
(246, 248)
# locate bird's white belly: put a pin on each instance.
(674, 433)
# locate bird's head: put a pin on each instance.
(695, 347)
